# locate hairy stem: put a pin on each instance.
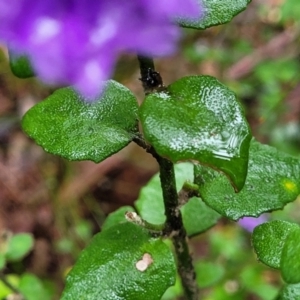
(175, 229)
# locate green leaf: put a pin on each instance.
(198, 217)
(107, 269)
(150, 205)
(66, 125)
(199, 119)
(268, 240)
(83, 230)
(32, 288)
(19, 246)
(20, 65)
(2, 261)
(273, 181)
(252, 279)
(175, 291)
(290, 257)
(208, 273)
(290, 292)
(116, 217)
(215, 13)
(4, 289)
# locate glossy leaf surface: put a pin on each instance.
(197, 216)
(215, 13)
(290, 258)
(107, 268)
(66, 125)
(273, 181)
(290, 292)
(268, 241)
(199, 119)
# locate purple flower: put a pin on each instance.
(76, 42)
(249, 223)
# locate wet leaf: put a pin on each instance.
(290, 257)
(110, 267)
(199, 119)
(66, 125)
(273, 181)
(215, 13)
(290, 292)
(268, 241)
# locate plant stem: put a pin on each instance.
(151, 80)
(145, 63)
(174, 225)
(156, 230)
(176, 230)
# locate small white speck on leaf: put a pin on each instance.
(143, 264)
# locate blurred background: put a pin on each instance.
(61, 204)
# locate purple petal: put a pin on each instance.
(249, 223)
(77, 42)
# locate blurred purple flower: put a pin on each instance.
(249, 223)
(77, 42)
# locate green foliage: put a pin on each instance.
(66, 125)
(114, 266)
(277, 244)
(290, 257)
(199, 119)
(290, 11)
(33, 288)
(194, 119)
(252, 280)
(15, 247)
(290, 292)
(12, 279)
(20, 66)
(197, 216)
(268, 241)
(208, 273)
(150, 205)
(116, 217)
(215, 13)
(29, 285)
(273, 179)
(2, 261)
(19, 246)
